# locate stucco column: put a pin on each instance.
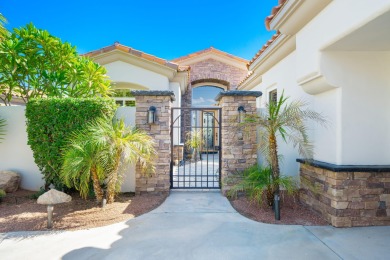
(160, 131)
(239, 147)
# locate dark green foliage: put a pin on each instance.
(36, 195)
(258, 184)
(34, 63)
(51, 121)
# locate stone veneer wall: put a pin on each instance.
(239, 148)
(160, 131)
(215, 70)
(347, 196)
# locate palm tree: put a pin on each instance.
(2, 128)
(96, 153)
(287, 120)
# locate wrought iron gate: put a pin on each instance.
(196, 148)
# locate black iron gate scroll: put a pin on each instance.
(196, 148)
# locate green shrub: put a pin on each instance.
(257, 183)
(51, 121)
(36, 195)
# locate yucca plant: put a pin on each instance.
(258, 184)
(97, 152)
(286, 119)
(2, 128)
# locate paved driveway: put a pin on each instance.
(192, 225)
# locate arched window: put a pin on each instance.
(204, 96)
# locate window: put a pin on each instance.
(124, 98)
(273, 96)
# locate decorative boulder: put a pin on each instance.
(53, 197)
(9, 181)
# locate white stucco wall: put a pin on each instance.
(336, 21)
(175, 87)
(349, 53)
(128, 170)
(120, 71)
(361, 104)
(327, 140)
(15, 154)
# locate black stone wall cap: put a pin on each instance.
(238, 93)
(346, 168)
(154, 93)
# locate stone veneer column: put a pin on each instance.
(160, 131)
(239, 148)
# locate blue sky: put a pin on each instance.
(167, 29)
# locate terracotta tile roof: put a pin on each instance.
(265, 46)
(275, 10)
(247, 77)
(146, 56)
(211, 49)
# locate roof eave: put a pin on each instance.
(276, 51)
(182, 78)
(252, 81)
(118, 55)
(295, 14)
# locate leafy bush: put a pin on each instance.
(51, 121)
(257, 183)
(34, 63)
(38, 193)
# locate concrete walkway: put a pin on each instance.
(192, 225)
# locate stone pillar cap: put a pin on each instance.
(238, 93)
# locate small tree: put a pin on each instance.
(34, 64)
(96, 153)
(287, 120)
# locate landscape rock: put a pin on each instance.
(9, 181)
(53, 196)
